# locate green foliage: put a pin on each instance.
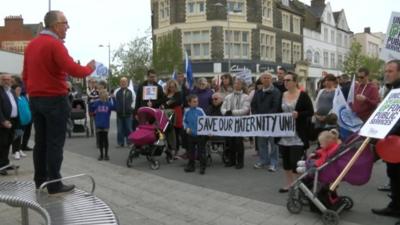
(133, 60)
(355, 60)
(167, 53)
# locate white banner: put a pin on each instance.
(391, 47)
(263, 125)
(381, 122)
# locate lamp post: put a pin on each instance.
(230, 33)
(109, 62)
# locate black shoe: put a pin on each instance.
(190, 167)
(202, 171)
(384, 188)
(63, 189)
(229, 164)
(386, 212)
(239, 166)
(107, 158)
(3, 172)
(100, 158)
(283, 190)
(26, 148)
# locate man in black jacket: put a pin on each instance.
(8, 118)
(392, 72)
(267, 101)
(124, 106)
(141, 99)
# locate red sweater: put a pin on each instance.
(366, 108)
(46, 65)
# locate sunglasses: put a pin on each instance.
(287, 80)
(215, 99)
(360, 77)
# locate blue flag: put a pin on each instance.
(173, 76)
(188, 71)
(347, 119)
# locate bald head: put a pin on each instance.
(123, 82)
(266, 80)
(5, 80)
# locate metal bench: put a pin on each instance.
(73, 208)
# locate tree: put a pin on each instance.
(133, 59)
(355, 60)
(167, 53)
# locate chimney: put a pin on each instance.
(367, 30)
(317, 3)
(13, 21)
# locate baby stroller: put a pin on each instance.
(78, 119)
(149, 137)
(216, 145)
(312, 187)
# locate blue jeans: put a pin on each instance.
(268, 151)
(124, 128)
(50, 115)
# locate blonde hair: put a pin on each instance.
(328, 135)
(178, 87)
(103, 95)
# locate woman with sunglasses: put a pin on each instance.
(293, 148)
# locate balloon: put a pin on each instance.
(389, 149)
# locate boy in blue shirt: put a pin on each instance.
(195, 143)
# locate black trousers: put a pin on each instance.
(6, 139)
(197, 148)
(27, 135)
(236, 150)
(103, 142)
(50, 115)
(393, 171)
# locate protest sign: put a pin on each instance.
(263, 125)
(384, 118)
(391, 47)
(150, 92)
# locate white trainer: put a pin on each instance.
(17, 156)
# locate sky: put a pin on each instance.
(96, 22)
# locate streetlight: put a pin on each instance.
(109, 62)
(230, 33)
(49, 5)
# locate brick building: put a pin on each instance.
(257, 34)
(15, 35)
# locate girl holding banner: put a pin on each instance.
(293, 148)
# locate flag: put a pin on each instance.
(188, 71)
(350, 97)
(173, 76)
(130, 87)
(347, 119)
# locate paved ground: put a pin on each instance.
(222, 196)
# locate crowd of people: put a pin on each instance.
(49, 110)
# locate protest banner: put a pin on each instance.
(391, 47)
(263, 125)
(150, 92)
(384, 118)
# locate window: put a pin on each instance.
(236, 6)
(339, 39)
(286, 21)
(196, 7)
(346, 41)
(309, 55)
(340, 61)
(333, 60)
(326, 59)
(267, 43)
(326, 34)
(316, 57)
(285, 2)
(197, 44)
(164, 9)
(267, 9)
(286, 51)
(296, 24)
(296, 52)
(237, 44)
(333, 36)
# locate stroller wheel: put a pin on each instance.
(330, 217)
(129, 162)
(155, 165)
(347, 201)
(294, 206)
(169, 158)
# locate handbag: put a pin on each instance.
(24, 112)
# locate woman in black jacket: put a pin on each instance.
(293, 148)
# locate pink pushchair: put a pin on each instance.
(149, 137)
(312, 187)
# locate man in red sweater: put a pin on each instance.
(366, 96)
(46, 66)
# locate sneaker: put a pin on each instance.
(301, 163)
(272, 168)
(300, 169)
(17, 156)
(106, 158)
(258, 166)
(100, 158)
(22, 153)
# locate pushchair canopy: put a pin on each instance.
(158, 115)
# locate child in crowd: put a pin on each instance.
(329, 142)
(195, 143)
(102, 111)
(25, 117)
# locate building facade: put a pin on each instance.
(371, 43)
(15, 35)
(223, 35)
(327, 40)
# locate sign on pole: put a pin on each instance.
(391, 48)
(381, 122)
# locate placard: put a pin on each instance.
(391, 47)
(150, 92)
